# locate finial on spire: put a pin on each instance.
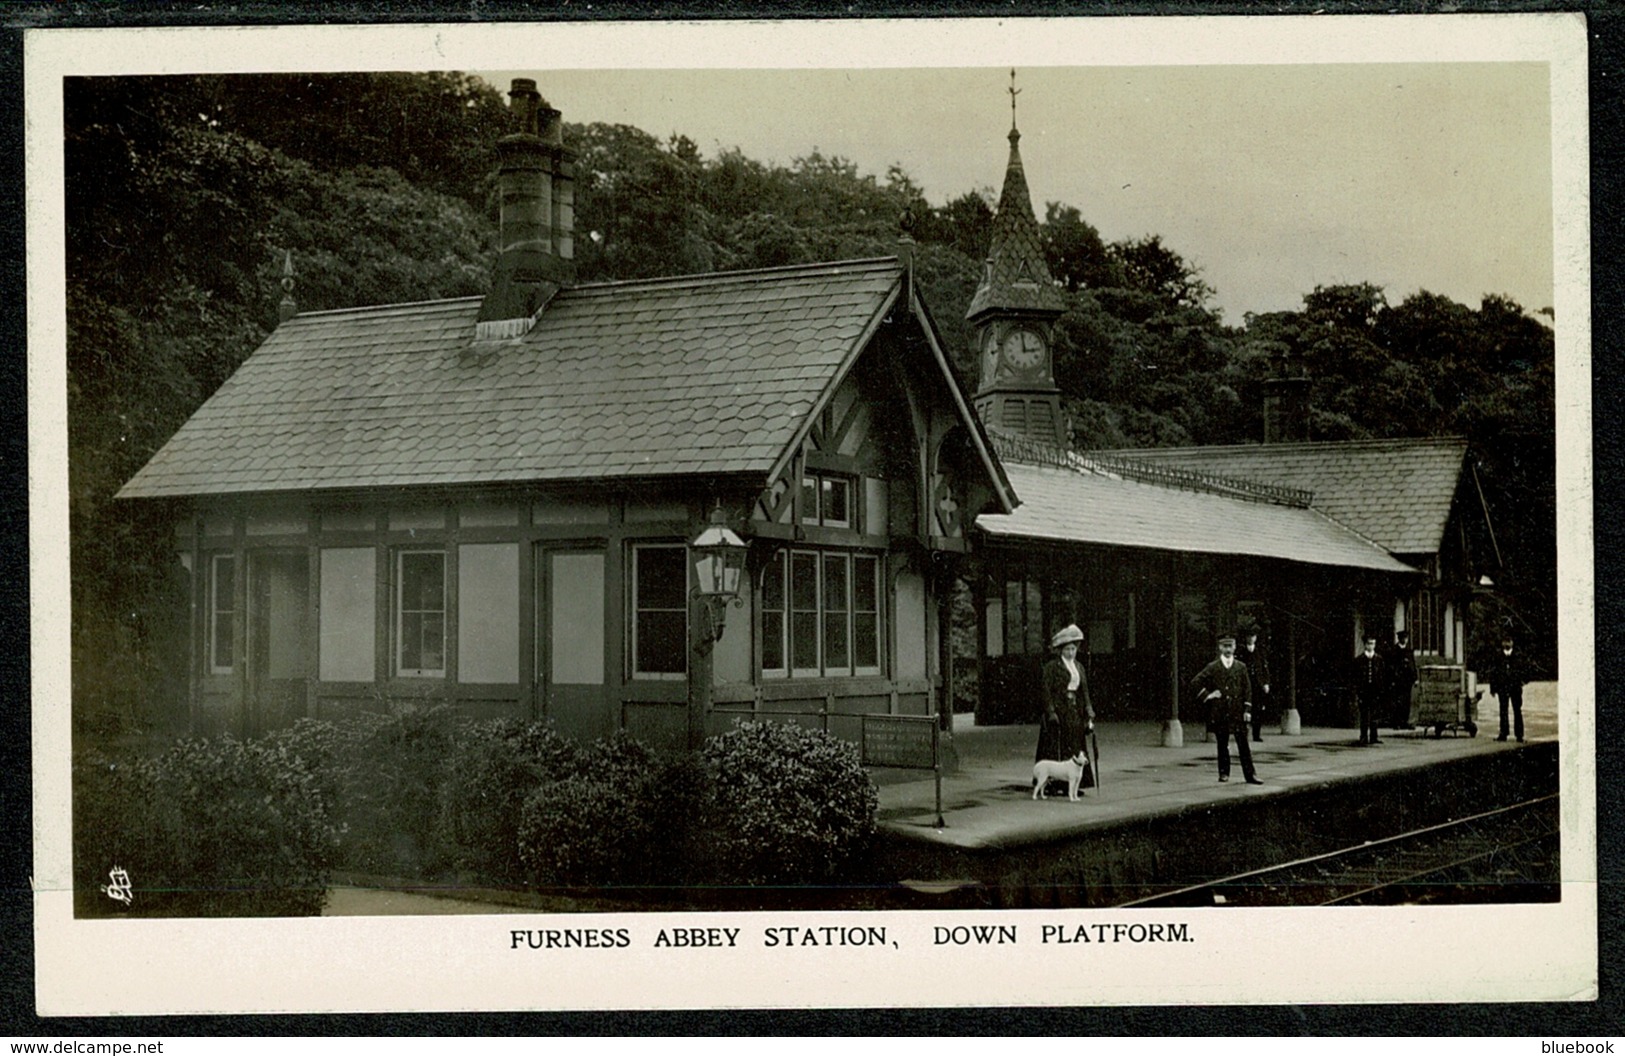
(288, 308)
(1014, 91)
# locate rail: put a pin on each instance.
(1408, 868)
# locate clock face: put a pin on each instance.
(1024, 350)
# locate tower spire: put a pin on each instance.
(1013, 313)
(1015, 276)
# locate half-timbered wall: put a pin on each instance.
(571, 606)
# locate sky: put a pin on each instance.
(1271, 179)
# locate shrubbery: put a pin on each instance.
(381, 775)
(495, 768)
(783, 805)
(620, 819)
(224, 827)
(216, 827)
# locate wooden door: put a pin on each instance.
(278, 623)
(570, 639)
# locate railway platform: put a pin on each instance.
(1161, 818)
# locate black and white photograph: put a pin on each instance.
(811, 514)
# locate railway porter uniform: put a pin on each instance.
(1225, 687)
(1368, 680)
(1507, 674)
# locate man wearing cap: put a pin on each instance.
(1368, 680)
(1506, 675)
(1069, 715)
(1227, 690)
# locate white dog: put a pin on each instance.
(1068, 770)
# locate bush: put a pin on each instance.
(214, 827)
(381, 774)
(782, 804)
(493, 770)
(620, 819)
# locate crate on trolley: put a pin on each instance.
(1442, 701)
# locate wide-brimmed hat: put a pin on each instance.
(1069, 633)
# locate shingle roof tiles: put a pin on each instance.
(1397, 493)
(645, 378)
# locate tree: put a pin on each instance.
(638, 208)
(1076, 256)
(1151, 267)
(176, 229)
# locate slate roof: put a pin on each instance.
(1016, 276)
(702, 374)
(1396, 493)
(1084, 506)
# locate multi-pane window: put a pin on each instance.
(827, 500)
(1024, 616)
(659, 611)
(821, 614)
(1425, 618)
(420, 612)
(222, 613)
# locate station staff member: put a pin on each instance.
(1225, 687)
(1368, 679)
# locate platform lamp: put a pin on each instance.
(719, 566)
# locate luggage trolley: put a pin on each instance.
(1442, 701)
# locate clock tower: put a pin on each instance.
(1013, 316)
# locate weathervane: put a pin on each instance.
(1014, 91)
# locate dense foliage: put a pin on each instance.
(783, 804)
(222, 827)
(208, 828)
(185, 194)
(624, 817)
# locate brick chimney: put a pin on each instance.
(1286, 403)
(535, 243)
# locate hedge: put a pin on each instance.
(216, 827)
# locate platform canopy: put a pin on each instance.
(1083, 505)
(1397, 493)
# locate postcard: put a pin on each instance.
(791, 514)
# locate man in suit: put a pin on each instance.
(1258, 670)
(1224, 686)
(1368, 679)
(1506, 675)
(1402, 674)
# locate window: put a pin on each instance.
(821, 614)
(1024, 616)
(1425, 618)
(827, 500)
(420, 612)
(659, 611)
(222, 613)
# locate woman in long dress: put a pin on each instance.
(1063, 728)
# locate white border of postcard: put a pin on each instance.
(1438, 954)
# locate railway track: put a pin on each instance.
(1509, 854)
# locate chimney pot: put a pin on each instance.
(523, 102)
(536, 212)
